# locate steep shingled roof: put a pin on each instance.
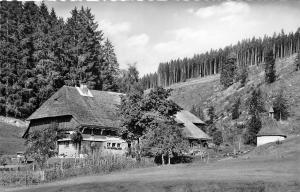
(190, 129)
(186, 116)
(99, 110)
(270, 127)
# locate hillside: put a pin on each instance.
(11, 136)
(208, 91)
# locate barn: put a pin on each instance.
(91, 112)
(270, 131)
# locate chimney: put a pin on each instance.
(84, 91)
(271, 112)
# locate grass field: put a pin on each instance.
(11, 139)
(252, 172)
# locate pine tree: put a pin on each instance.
(84, 49)
(235, 112)
(228, 71)
(255, 107)
(196, 110)
(211, 115)
(110, 67)
(270, 73)
(253, 127)
(281, 106)
(297, 61)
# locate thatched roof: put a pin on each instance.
(99, 110)
(270, 127)
(190, 129)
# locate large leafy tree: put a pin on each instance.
(41, 144)
(164, 138)
(128, 79)
(142, 115)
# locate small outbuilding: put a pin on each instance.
(270, 131)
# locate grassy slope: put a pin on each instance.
(10, 139)
(207, 91)
(255, 173)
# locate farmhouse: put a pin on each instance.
(192, 128)
(94, 114)
(91, 112)
(270, 131)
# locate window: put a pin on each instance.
(118, 145)
(113, 145)
(108, 145)
(67, 143)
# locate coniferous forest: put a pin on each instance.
(248, 52)
(40, 52)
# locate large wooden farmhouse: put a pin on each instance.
(94, 114)
(91, 112)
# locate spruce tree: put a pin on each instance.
(110, 68)
(228, 71)
(255, 107)
(270, 72)
(297, 61)
(235, 112)
(83, 50)
(281, 106)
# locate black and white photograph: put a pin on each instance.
(150, 96)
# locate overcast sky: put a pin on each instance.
(148, 33)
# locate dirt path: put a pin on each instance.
(231, 175)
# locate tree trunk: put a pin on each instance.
(162, 159)
(138, 152)
(169, 159)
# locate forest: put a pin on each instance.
(40, 52)
(248, 52)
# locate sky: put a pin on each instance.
(148, 33)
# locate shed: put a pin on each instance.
(270, 132)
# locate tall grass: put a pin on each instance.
(60, 168)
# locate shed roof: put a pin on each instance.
(99, 110)
(270, 127)
(190, 129)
